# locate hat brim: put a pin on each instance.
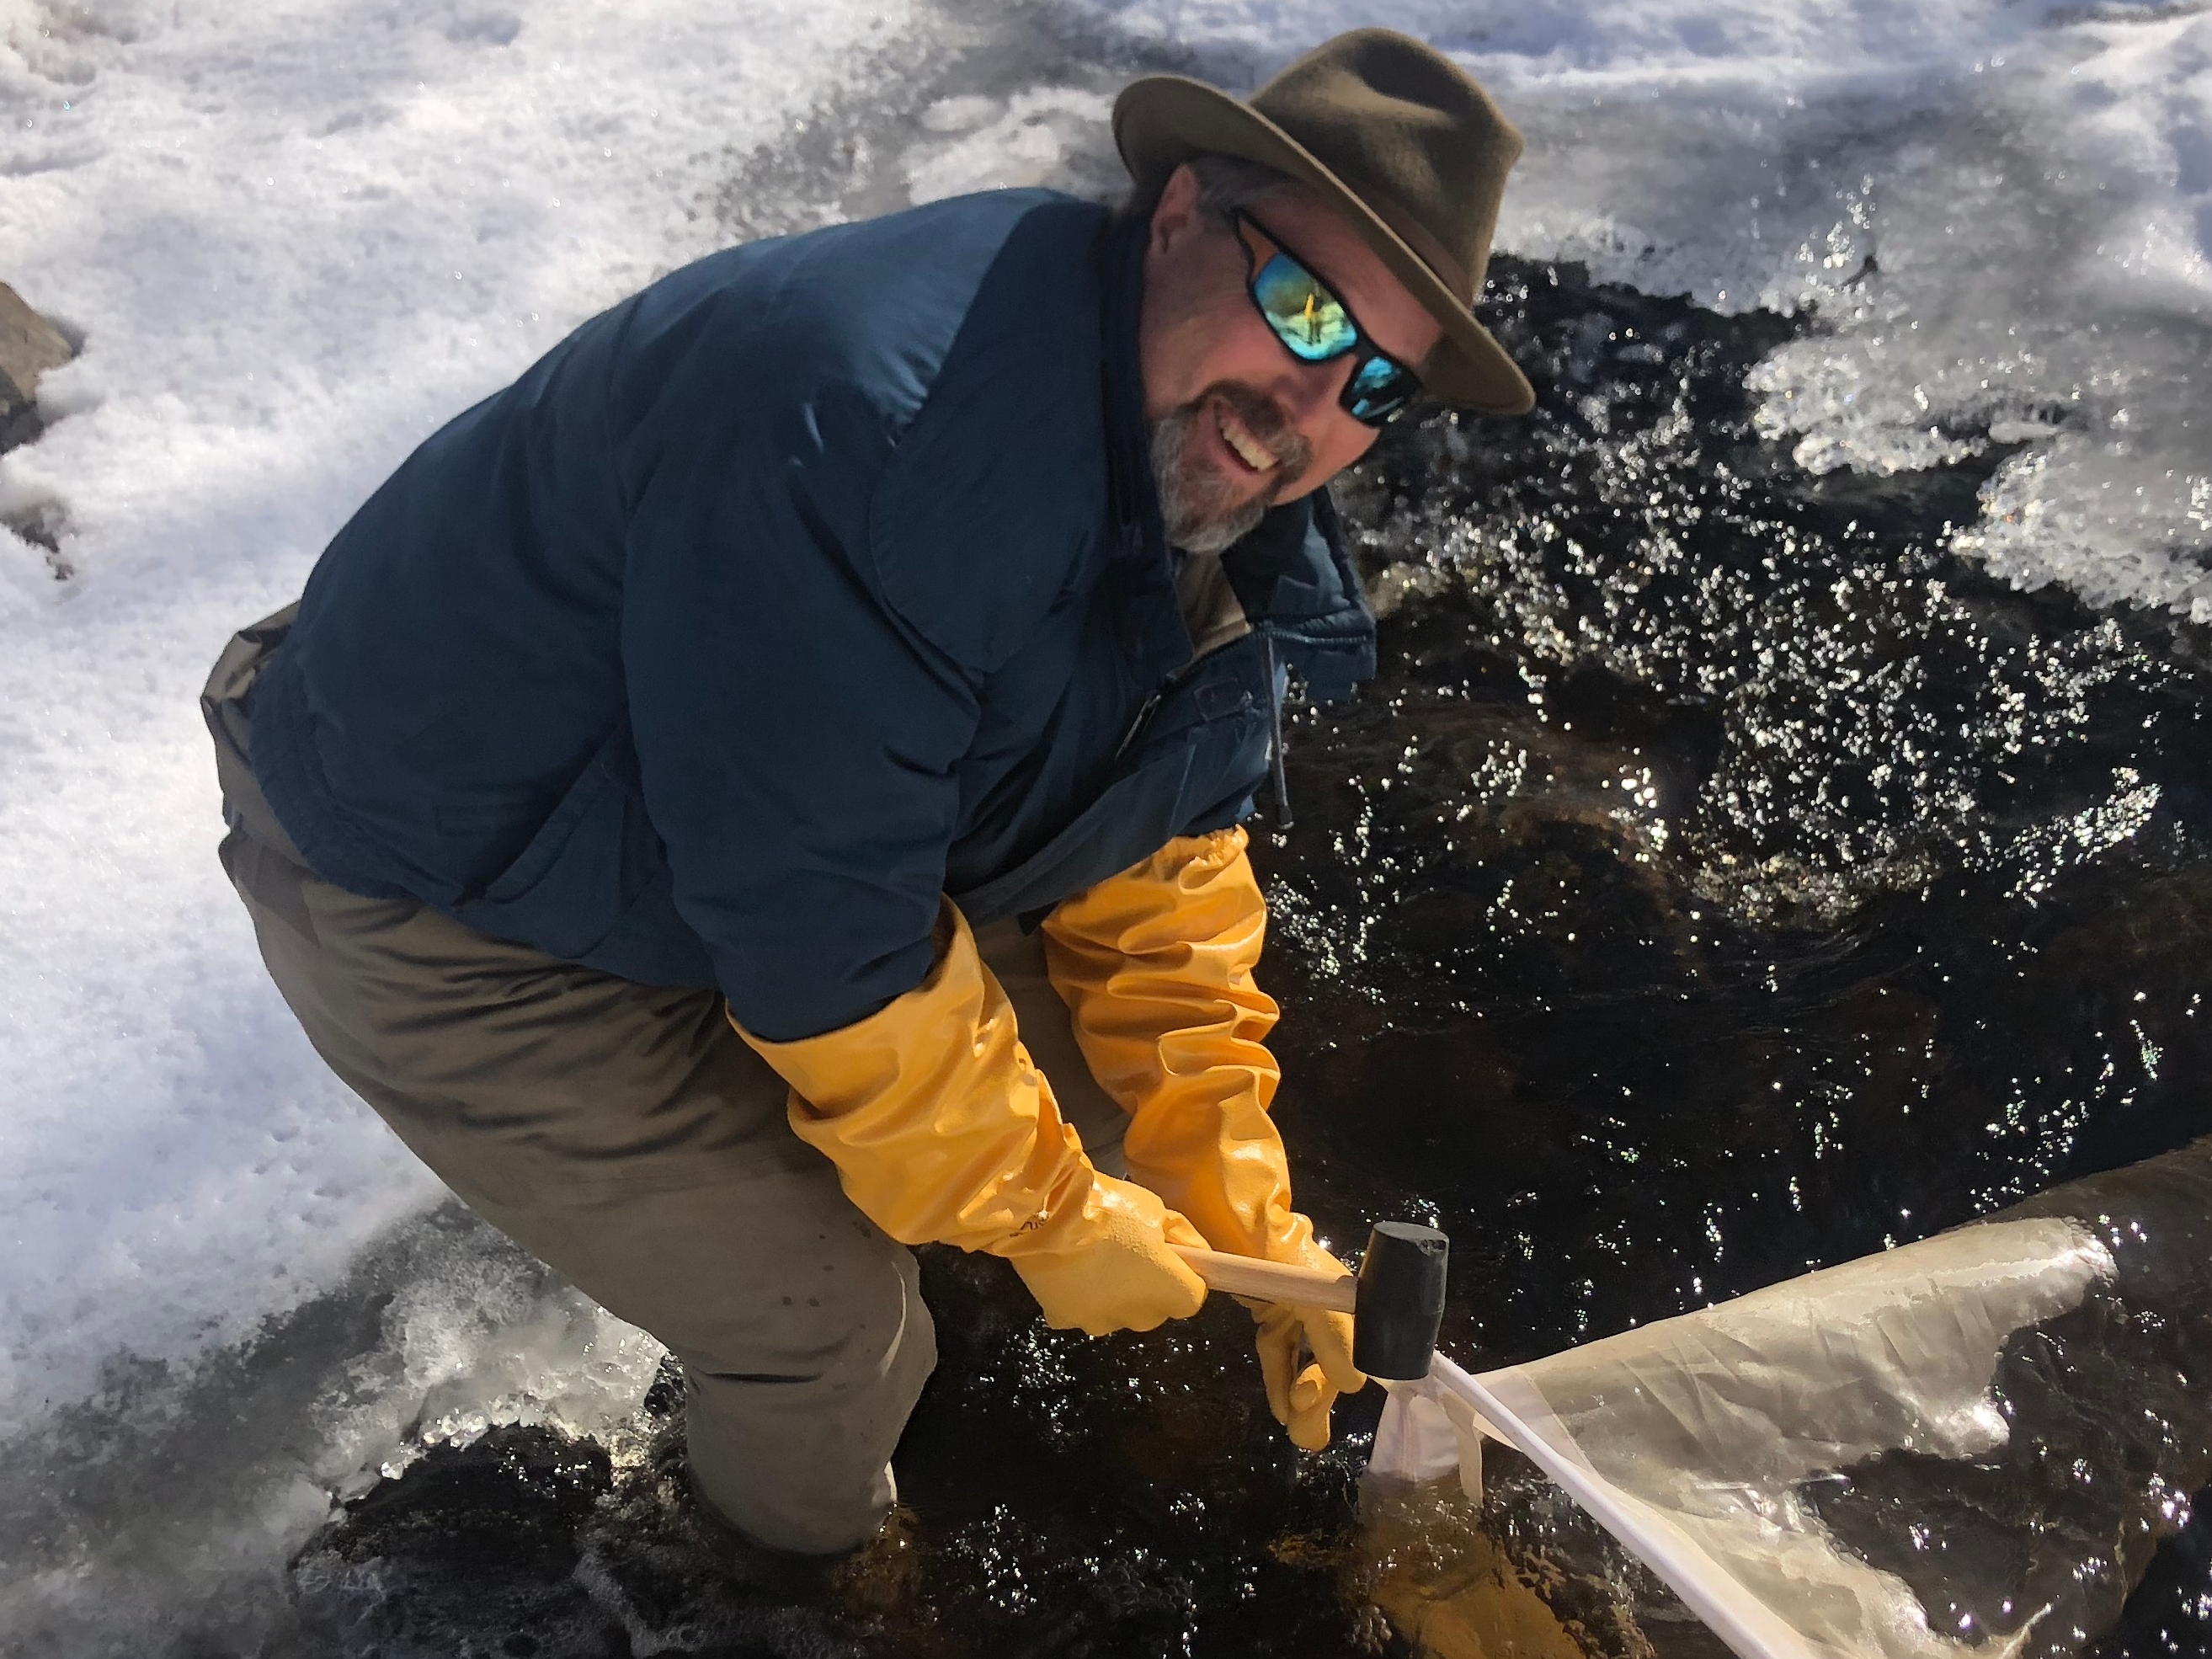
(1164, 120)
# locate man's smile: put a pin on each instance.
(1242, 442)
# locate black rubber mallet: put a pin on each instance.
(1396, 1300)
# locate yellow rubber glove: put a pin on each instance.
(943, 1132)
(1155, 965)
(1301, 1394)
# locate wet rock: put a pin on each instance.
(530, 1543)
(1442, 1580)
(29, 346)
(473, 1549)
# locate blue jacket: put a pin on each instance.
(823, 577)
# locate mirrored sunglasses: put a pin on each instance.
(1317, 327)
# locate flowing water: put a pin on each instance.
(1726, 876)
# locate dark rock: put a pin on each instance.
(29, 346)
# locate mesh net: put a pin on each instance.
(1969, 1445)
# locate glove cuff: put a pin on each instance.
(941, 1127)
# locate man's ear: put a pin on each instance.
(1177, 214)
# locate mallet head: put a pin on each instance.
(1401, 1300)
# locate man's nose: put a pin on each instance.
(1310, 393)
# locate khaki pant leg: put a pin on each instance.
(626, 1136)
(1047, 1031)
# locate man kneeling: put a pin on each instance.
(762, 791)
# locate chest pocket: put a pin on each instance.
(1200, 753)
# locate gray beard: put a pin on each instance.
(1201, 516)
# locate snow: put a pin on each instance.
(295, 237)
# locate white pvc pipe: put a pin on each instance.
(1747, 1626)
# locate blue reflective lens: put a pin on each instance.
(1378, 389)
(1305, 316)
(1315, 326)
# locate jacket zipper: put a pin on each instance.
(1276, 748)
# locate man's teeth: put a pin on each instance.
(1254, 453)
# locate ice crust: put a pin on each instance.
(159, 1516)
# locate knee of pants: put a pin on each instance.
(804, 1464)
(836, 1323)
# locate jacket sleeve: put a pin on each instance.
(1155, 965)
(986, 1156)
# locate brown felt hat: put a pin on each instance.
(1399, 139)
